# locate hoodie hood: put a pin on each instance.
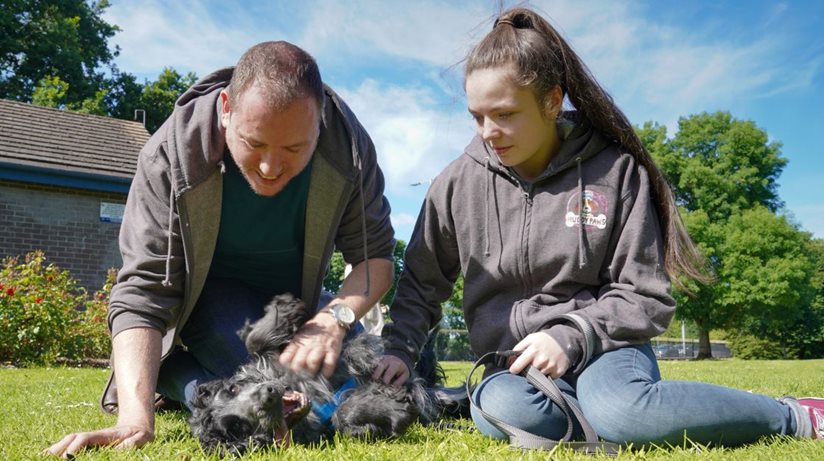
(579, 142)
(207, 140)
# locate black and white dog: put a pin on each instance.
(265, 403)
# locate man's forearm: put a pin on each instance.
(136, 363)
(381, 273)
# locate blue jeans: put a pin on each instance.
(213, 348)
(624, 399)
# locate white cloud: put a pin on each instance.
(403, 220)
(658, 72)
(433, 33)
(415, 136)
(187, 35)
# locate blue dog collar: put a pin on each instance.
(324, 410)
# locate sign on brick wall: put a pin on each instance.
(111, 212)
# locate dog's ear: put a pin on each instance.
(268, 335)
(244, 331)
(205, 393)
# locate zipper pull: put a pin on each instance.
(528, 195)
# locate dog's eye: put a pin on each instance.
(234, 389)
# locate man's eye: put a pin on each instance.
(249, 144)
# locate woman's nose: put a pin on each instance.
(489, 130)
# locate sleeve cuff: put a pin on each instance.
(403, 356)
(571, 341)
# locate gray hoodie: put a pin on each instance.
(531, 261)
(172, 216)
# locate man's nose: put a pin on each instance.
(270, 165)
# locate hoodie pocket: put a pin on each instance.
(536, 313)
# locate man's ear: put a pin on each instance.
(226, 109)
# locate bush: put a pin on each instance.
(748, 347)
(91, 338)
(45, 315)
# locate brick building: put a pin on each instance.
(64, 178)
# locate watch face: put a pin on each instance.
(344, 313)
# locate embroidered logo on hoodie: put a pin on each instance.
(594, 212)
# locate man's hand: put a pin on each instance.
(542, 352)
(315, 347)
(117, 437)
(391, 370)
(136, 361)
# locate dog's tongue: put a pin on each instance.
(295, 407)
(282, 437)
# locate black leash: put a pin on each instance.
(520, 438)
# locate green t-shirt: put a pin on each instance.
(260, 241)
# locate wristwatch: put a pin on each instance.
(343, 314)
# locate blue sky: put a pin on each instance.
(397, 65)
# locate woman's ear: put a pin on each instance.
(554, 103)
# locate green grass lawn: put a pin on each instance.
(40, 405)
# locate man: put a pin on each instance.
(243, 193)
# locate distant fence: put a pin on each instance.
(453, 344)
(688, 349)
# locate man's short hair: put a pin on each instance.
(283, 71)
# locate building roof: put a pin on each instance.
(42, 144)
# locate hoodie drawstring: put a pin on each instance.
(582, 256)
(356, 160)
(363, 221)
(167, 281)
(491, 177)
(486, 210)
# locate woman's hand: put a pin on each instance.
(542, 352)
(391, 370)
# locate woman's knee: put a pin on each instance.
(617, 392)
(511, 399)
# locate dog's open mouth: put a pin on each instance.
(295, 407)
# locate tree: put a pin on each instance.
(719, 168)
(334, 276)
(398, 253)
(766, 272)
(158, 97)
(51, 92)
(337, 268)
(46, 38)
(453, 339)
(123, 96)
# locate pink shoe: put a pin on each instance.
(814, 407)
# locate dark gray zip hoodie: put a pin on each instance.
(172, 215)
(532, 261)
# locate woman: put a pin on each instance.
(567, 235)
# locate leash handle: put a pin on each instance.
(520, 438)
